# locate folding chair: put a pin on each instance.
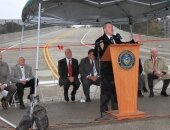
(94, 90)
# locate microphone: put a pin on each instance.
(97, 43)
(118, 36)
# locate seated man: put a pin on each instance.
(89, 71)
(6, 89)
(156, 68)
(22, 77)
(68, 71)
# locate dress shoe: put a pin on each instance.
(163, 93)
(4, 103)
(88, 100)
(22, 106)
(151, 94)
(66, 98)
(72, 97)
(140, 95)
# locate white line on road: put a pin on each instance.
(84, 38)
(11, 47)
(32, 38)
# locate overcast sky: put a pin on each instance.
(11, 9)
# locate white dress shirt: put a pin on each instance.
(68, 61)
(110, 38)
(94, 69)
(23, 72)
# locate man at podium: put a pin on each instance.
(108, 91)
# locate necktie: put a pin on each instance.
(112, 40)
(154, 63)
(70, 69)
(92, 66)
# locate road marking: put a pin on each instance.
(53, 67)
(42, 35)
(11, 47)
(48, 63)
(48, 58)
(84, 38)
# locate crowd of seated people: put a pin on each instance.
(69, 69)
(19, 78)
(89, 74)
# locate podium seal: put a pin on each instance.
(126, 59)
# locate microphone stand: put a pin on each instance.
(99, 59)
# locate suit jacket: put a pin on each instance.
(162, 67)
(106, 42)
(106, 67)
(4, 73)
(63, 68)
(85, 66)
(16, 73)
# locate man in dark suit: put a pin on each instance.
(89, 71)
(68, 71)
(22, 77)
(107, 79)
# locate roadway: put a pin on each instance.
(67, 37)
(49, 57)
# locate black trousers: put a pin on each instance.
(86, 85)
(11, 90)
(20, 89)
(151, 77)
(141, 82)
(108, 92)
(66, 84)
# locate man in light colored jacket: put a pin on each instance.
(22, 77)
(6, 89)
(156, 68)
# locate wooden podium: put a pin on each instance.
(125, 63)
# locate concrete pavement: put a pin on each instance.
(81, 116)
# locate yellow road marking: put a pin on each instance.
(52, 66)
(47, 61)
